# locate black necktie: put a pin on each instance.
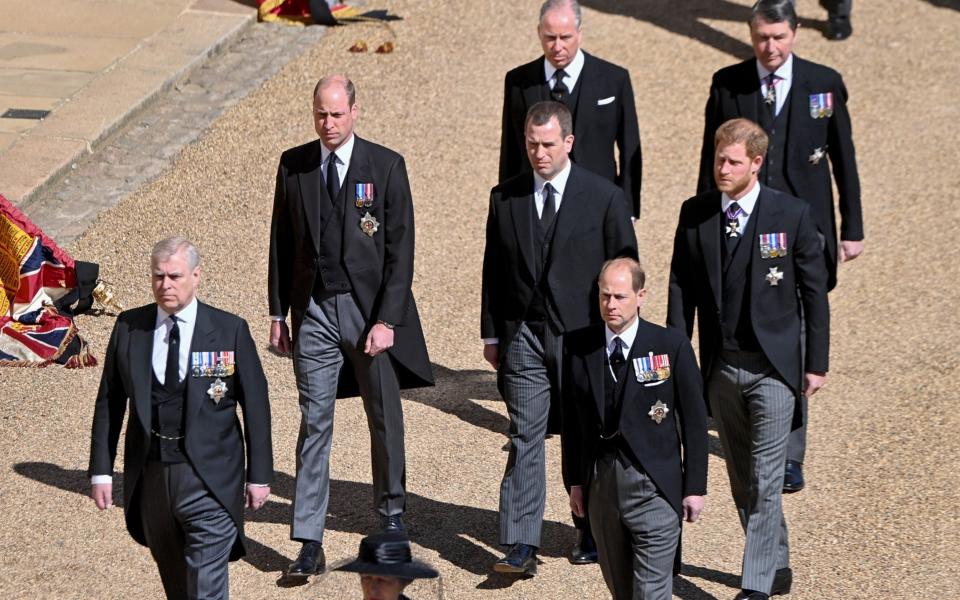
(617, 360)
(549, 206)
(172, 375)
(559, 91)
(333, 178)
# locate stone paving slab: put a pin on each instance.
(94, 65)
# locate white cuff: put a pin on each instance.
(489, 341)
(258, 484)
(98, 479)
(275, 318)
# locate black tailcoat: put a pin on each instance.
(696, 284)
(214, 441)
(735, 92)
(380, 267)
(605, 115)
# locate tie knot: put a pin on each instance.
(559, 75)
(548, 189)
(772, 79)
(616, 353)
(733, 211)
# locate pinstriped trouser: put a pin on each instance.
(529, 370)
(753, 409)
(636, 529)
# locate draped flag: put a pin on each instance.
(34, 274)
(318, 12)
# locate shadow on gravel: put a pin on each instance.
(728, 579)
(687, 19)
(461, 535)
(457, 393)
(954, 4)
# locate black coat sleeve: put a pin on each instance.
(711, 121)
(681, 302)
(109, 409)
(692, 418)
(280, 268)
(628, 142)
(511, 150)
(398, 247)
(619, 236)
(844, 162)
(253, 399)
(811, 274)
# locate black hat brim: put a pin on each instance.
(406, 570)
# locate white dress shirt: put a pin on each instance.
(747, 204)
(783, 81)
(627, 337)
(572, 71)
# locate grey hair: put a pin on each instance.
(774, 11)
(164, 249)
(552, 4)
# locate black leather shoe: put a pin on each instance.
(838, 29)
(782, 582)
(310, 561)
(392, 523)
(522, 558)
(748, 595)
(793, 477)
(584, 552)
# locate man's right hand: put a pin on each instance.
(280, 337)
(102, 494)
(491, 354)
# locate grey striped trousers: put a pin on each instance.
(531, 373)
(753, 409)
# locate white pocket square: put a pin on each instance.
(605, 101)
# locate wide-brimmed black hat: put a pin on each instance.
(388, 555)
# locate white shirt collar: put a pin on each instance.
(559, 181)
(627, 336)
(188, 314)
(344, 152)
(783, 72)
(572, 70)
(747, 203)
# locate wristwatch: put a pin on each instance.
(387, 325)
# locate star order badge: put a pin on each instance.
(369, 224)
(774, 276)
(217, 390)
(817, 156)
(658, 412)
(732, 229)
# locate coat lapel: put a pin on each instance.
(313, 195)
(204, 336)
(141, 363)
(709, 237)
(588, 82)
(749, 96)
(574, 209)
(799, 95)
(536, 89)
(768, 216)
(595, 368)
(360, 171)
(521, 214)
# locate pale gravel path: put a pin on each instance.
(879, 518)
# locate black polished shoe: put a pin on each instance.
(793, 477)
(782, 581)
(584, 552)
(521, 558)
(310, 561)
(748, 595)
(392, 523)
(838, 29)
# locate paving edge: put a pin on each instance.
(58, 172)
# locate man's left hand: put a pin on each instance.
(257, 496)
(692, 507)
(379, 339)
(849, 250)
(813, 382)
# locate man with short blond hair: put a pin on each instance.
(598, 93)
(747, 264)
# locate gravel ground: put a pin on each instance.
(878, 519)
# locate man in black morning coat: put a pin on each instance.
(598, 94)
(183, 368)
(341, 264)
(804, 113)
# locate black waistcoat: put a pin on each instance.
(331, 274)
(167, 403)
(539, 309)
(735, 322)
(773, 171)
